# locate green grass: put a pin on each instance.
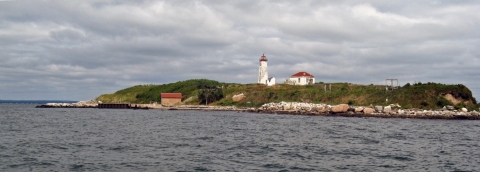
(426, 96)
(151, 93)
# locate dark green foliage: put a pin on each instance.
(187, 88)
(424, 103)
(441, 102)
(208, 95)
(351, 102)
(209, 91)
(459, 106)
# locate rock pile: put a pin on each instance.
(80, 104)
(390, 111)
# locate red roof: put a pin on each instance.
(300, 74)
(263, 58)
(171, 95)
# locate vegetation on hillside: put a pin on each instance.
(200, 91)
(151, 93)
(209, 92)
(425, 96)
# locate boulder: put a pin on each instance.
(238, 97)
(359, 109)
(368, 110)
(395, 106)
(341, 108)
(449, 107)
(387, 109)
(464, 110)
(322, 109)
(379, 108)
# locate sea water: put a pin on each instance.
(35, 139)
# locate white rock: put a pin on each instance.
(387, 109)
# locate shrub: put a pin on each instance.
(443, 102)
(424, 103)
(459, 106)
(351, 102)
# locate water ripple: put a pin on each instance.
(125, 140)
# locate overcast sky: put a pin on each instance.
(77, 50)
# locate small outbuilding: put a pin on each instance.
(301, 78)
(170, 99)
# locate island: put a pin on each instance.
(419, 100)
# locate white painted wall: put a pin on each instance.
(262, 73)
(300, 81)
(271, 82)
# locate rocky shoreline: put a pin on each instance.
(390, 111)
(80, 104)
(297, 108)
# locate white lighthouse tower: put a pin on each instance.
(263, 72)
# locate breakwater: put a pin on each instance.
(390, 111)
(68, 105)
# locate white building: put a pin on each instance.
(301, 78)
(263, 73)
(271, 81)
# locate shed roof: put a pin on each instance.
(302, 74)
(171, 95)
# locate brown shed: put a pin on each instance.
(170, 99)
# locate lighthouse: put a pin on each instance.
(263, 72)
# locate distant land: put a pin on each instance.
(35, 101)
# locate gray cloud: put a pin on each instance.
(80, 49)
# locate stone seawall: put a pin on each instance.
(391, 111)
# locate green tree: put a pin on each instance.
(209, 92)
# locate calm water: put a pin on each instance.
(154, 140)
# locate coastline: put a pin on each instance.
(297, 108)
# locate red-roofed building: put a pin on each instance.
(170, 99)
(301, 78)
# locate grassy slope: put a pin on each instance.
(127, 95)
(148, 93)
(427, 96)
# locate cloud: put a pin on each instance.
(81, 49)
